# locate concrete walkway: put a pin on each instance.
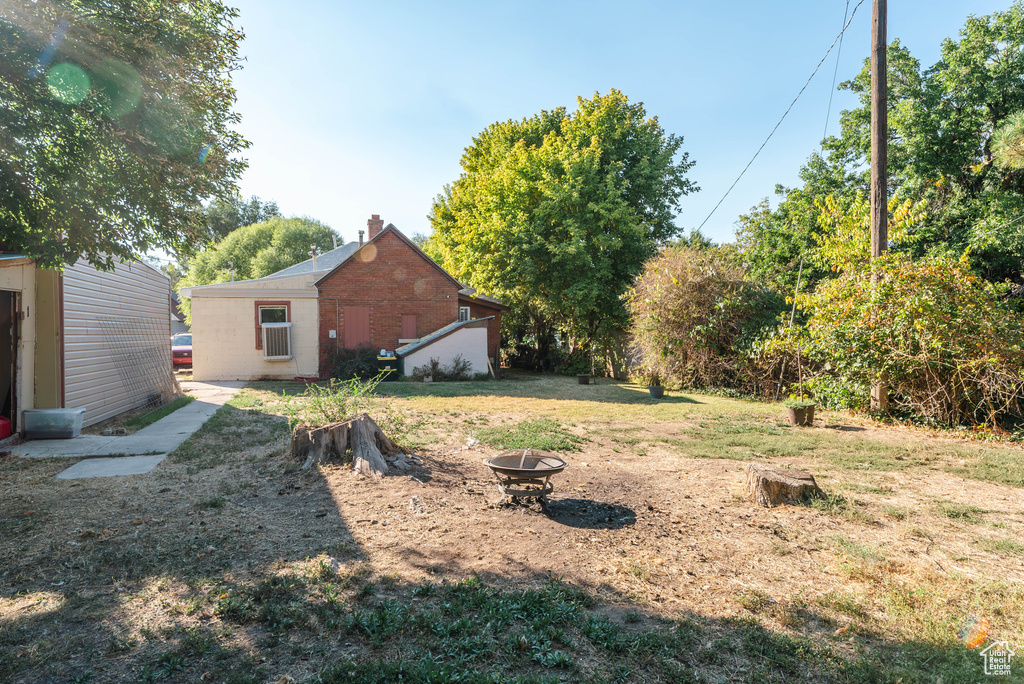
(156, 440)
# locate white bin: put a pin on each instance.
(53, 423)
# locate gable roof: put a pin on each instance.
(390, 228)
(324, 262)
(470, 294)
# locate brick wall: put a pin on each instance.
(392, 279)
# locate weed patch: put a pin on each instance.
(544, 433)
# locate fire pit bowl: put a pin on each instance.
(526, 472)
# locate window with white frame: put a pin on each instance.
(275, 331)
(463, 313)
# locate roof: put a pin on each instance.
(324, 262)
(390, 228)
(14, 260)
(438, 334)
(483, 299)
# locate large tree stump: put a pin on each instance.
(360, 435)
(772, 486)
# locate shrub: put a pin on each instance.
(345, 364)
(576, 362)
(695, 318)
(951, 348)
(337, 400)
(457, 371)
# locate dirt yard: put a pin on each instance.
(229, 563)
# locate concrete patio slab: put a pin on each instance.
(161, 437)
(111, 467)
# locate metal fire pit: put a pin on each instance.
(526, 473)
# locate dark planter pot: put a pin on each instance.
(657, 391)
(801, 415)
(583, 378)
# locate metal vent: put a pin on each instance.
(277, 341)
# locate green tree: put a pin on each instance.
(115, 123)
(942, 122)
(227, 215)
(556, 214)
(256, 251)
(1008, 143)
(773, 242)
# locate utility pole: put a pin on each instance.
(879, 163)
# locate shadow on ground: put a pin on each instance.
(590, 515)
(229, 564)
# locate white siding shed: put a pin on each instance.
(117, 352)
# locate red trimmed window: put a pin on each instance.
(271, 312)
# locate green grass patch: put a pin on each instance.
(1004, 546)
(862, 551)
(960, 512)
(138, 422)
(544, 433)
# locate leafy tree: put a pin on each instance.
(227, 215)
(942, 122)
(115, 123)
(773, 242)
(557, 213)
(256, 251)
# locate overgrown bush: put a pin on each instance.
(457, 371)
(950, 346)
(339, 400)
(695, 318)
(345, 364)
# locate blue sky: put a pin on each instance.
(357, 108)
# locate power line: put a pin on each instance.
(839, 53)
(827, 52)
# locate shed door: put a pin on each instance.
(357, 326)
(409, 326)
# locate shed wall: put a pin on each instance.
(117, 354)
(471, 343)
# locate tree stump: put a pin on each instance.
(773, 486)
(360, 435)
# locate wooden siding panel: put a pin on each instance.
(117, 354)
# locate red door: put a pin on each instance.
(409, 327)
(357, 326)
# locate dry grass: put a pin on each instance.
(227, 563)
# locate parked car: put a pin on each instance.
(181, 349)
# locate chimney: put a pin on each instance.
(374, 226)
(361, 237)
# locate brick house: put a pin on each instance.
(384, 293)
